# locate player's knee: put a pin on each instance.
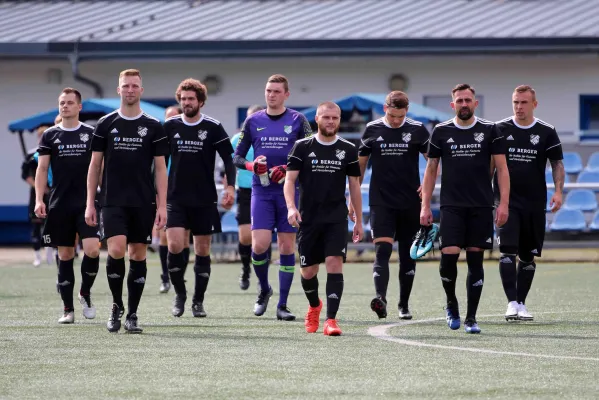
(66, 253)
(334, 264)
(451, 250)
(91, 251)
(137, 251)
(508, 250)
(309, 272)
(163, 240)
(117, 246)
(260, 247)
(202, 246)
(382, 253)
(245, 235)
(527, 258)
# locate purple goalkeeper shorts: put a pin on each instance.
(269, 211)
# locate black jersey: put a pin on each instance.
(394, 153)
(193, 153)
(69, 151)
(465, 154)
(129, 146)
(528, 148)
(323, 168)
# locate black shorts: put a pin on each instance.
(244, 206)
(523, 233)
(401, 225)
(316, 242)
(63, 224)
(135, 223)
(466, 227)
(200, 221)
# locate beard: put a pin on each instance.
(191, 111)
(327, 132)
(465, 114)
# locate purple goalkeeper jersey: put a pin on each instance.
(272, 137)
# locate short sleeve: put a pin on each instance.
(306, 129)
(45, 147)
(434, 145)
(99, 136)
(423, 138)
(554, 149)
(497, 141)
(353, 166)
(160, 144)
(365, 148)
(295, 159)
(221, 140)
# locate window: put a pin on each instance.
(441, 103)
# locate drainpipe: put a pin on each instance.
(74, 59)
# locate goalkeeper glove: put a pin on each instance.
(277, 174)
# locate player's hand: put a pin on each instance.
(228, 197)
(258, 166)
(277, 174)
(419, 191)
(40, 209)
(501, 214)
(351, 213)
(556, 202)
(90, 216)
(293, 217)
(426, 216)
(160, 220)
(358, 233)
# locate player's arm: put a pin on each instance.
(363, 161)
(294, 165)
(26, 168)
(241, 150)
(306, 129)
(161, 180)
(555, 155)
(97, 147)
(503, 178)
(41, 182)
(354, 175)
(225, 149)
(498, 157)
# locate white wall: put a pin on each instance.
(559, 81)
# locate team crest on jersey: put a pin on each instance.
(479, 137)
(534, 139)
(202, 134)
(84, 137)
(288, 129)
(340, 154)
(406, 137)
(142, 131)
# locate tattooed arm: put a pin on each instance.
(559, 177)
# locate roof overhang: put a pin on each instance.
(294, 48)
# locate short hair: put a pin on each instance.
(57, 120)
(463, 86)
(329, 105)
(174, 107)
(255, 108)
(69, 90)
(397, 99)
(192, 85)
(278, 78)
(130, 72)
(526, 88)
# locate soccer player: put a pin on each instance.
(165, 284)
(128, 140)
(322, 164)
(530, 143)
(393, 143)
(66, 148)
(272, 133)
(244, 199)
(195, 138)
(465, 145)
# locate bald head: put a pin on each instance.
(328, 118)
(172, 111)
(328, 106)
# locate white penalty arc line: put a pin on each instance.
(381, 332)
